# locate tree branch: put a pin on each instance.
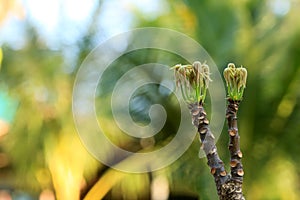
(233, 188)
(193, 81)
(234, 144)
(229, 186)
(216, 165)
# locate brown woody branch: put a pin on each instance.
(229, 186)
(236, 167)
(234, 144)
(216, 165)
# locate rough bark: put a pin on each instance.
(236, 167)
(229, 186)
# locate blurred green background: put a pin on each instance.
(43, 44)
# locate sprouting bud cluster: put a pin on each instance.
(236, 81)
(192, 80)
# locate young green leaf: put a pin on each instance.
(192, 80)
(236, 81)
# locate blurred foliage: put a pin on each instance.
(44, 149)
(10, 7)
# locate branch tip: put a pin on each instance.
(193, 81)
(236, 79)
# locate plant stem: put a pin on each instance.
(234, 144)
(229, 186)
(216, 165)
(235, 183)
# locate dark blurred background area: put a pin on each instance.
(43, 44)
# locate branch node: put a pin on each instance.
(203, 130)
(240, 172)
(223, 173)
(233, 163)
(213, 170)
(205, 121)
(240, 154)
(201, 117)
(232, 132)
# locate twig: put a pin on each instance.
(234, 144)
(216, 165)
(233, 188)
